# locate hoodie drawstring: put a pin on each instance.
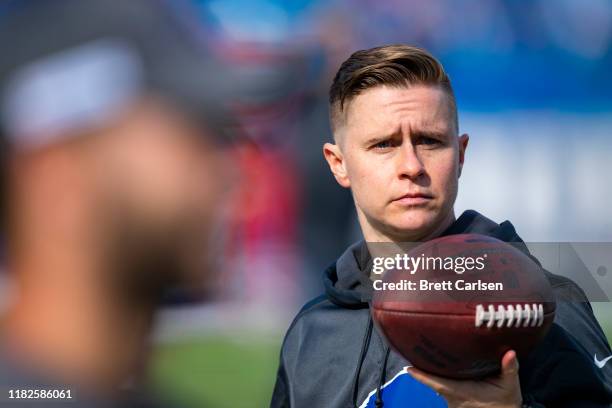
(383, 374)
(364, 348)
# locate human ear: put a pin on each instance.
(463, 144)
(337, 164)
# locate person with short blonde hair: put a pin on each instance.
(397, 147)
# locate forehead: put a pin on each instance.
(386, 109)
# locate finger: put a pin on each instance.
(510, 365)
(441, 385)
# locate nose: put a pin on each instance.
(409, 164)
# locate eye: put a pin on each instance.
(384, 144)
(428, 141)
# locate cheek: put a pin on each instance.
(444, 172)
(177, 186)
(202, 181)
(368, 182)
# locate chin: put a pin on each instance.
(412, 226)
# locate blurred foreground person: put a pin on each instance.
(112, 176)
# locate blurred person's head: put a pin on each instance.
(114, 119)
(394, 121)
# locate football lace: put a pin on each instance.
(525, 315)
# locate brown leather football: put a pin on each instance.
(480, 298)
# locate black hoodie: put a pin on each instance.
(333, 356)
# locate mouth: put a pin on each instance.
(412, 199)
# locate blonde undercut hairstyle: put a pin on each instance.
(396, 65)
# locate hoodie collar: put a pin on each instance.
(347, 283)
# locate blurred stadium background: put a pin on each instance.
(534, 92)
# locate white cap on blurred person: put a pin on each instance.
(70, 65)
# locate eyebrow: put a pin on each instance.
(378, 139)
(434, 134)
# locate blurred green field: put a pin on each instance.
(220, 371)
(236, 371)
